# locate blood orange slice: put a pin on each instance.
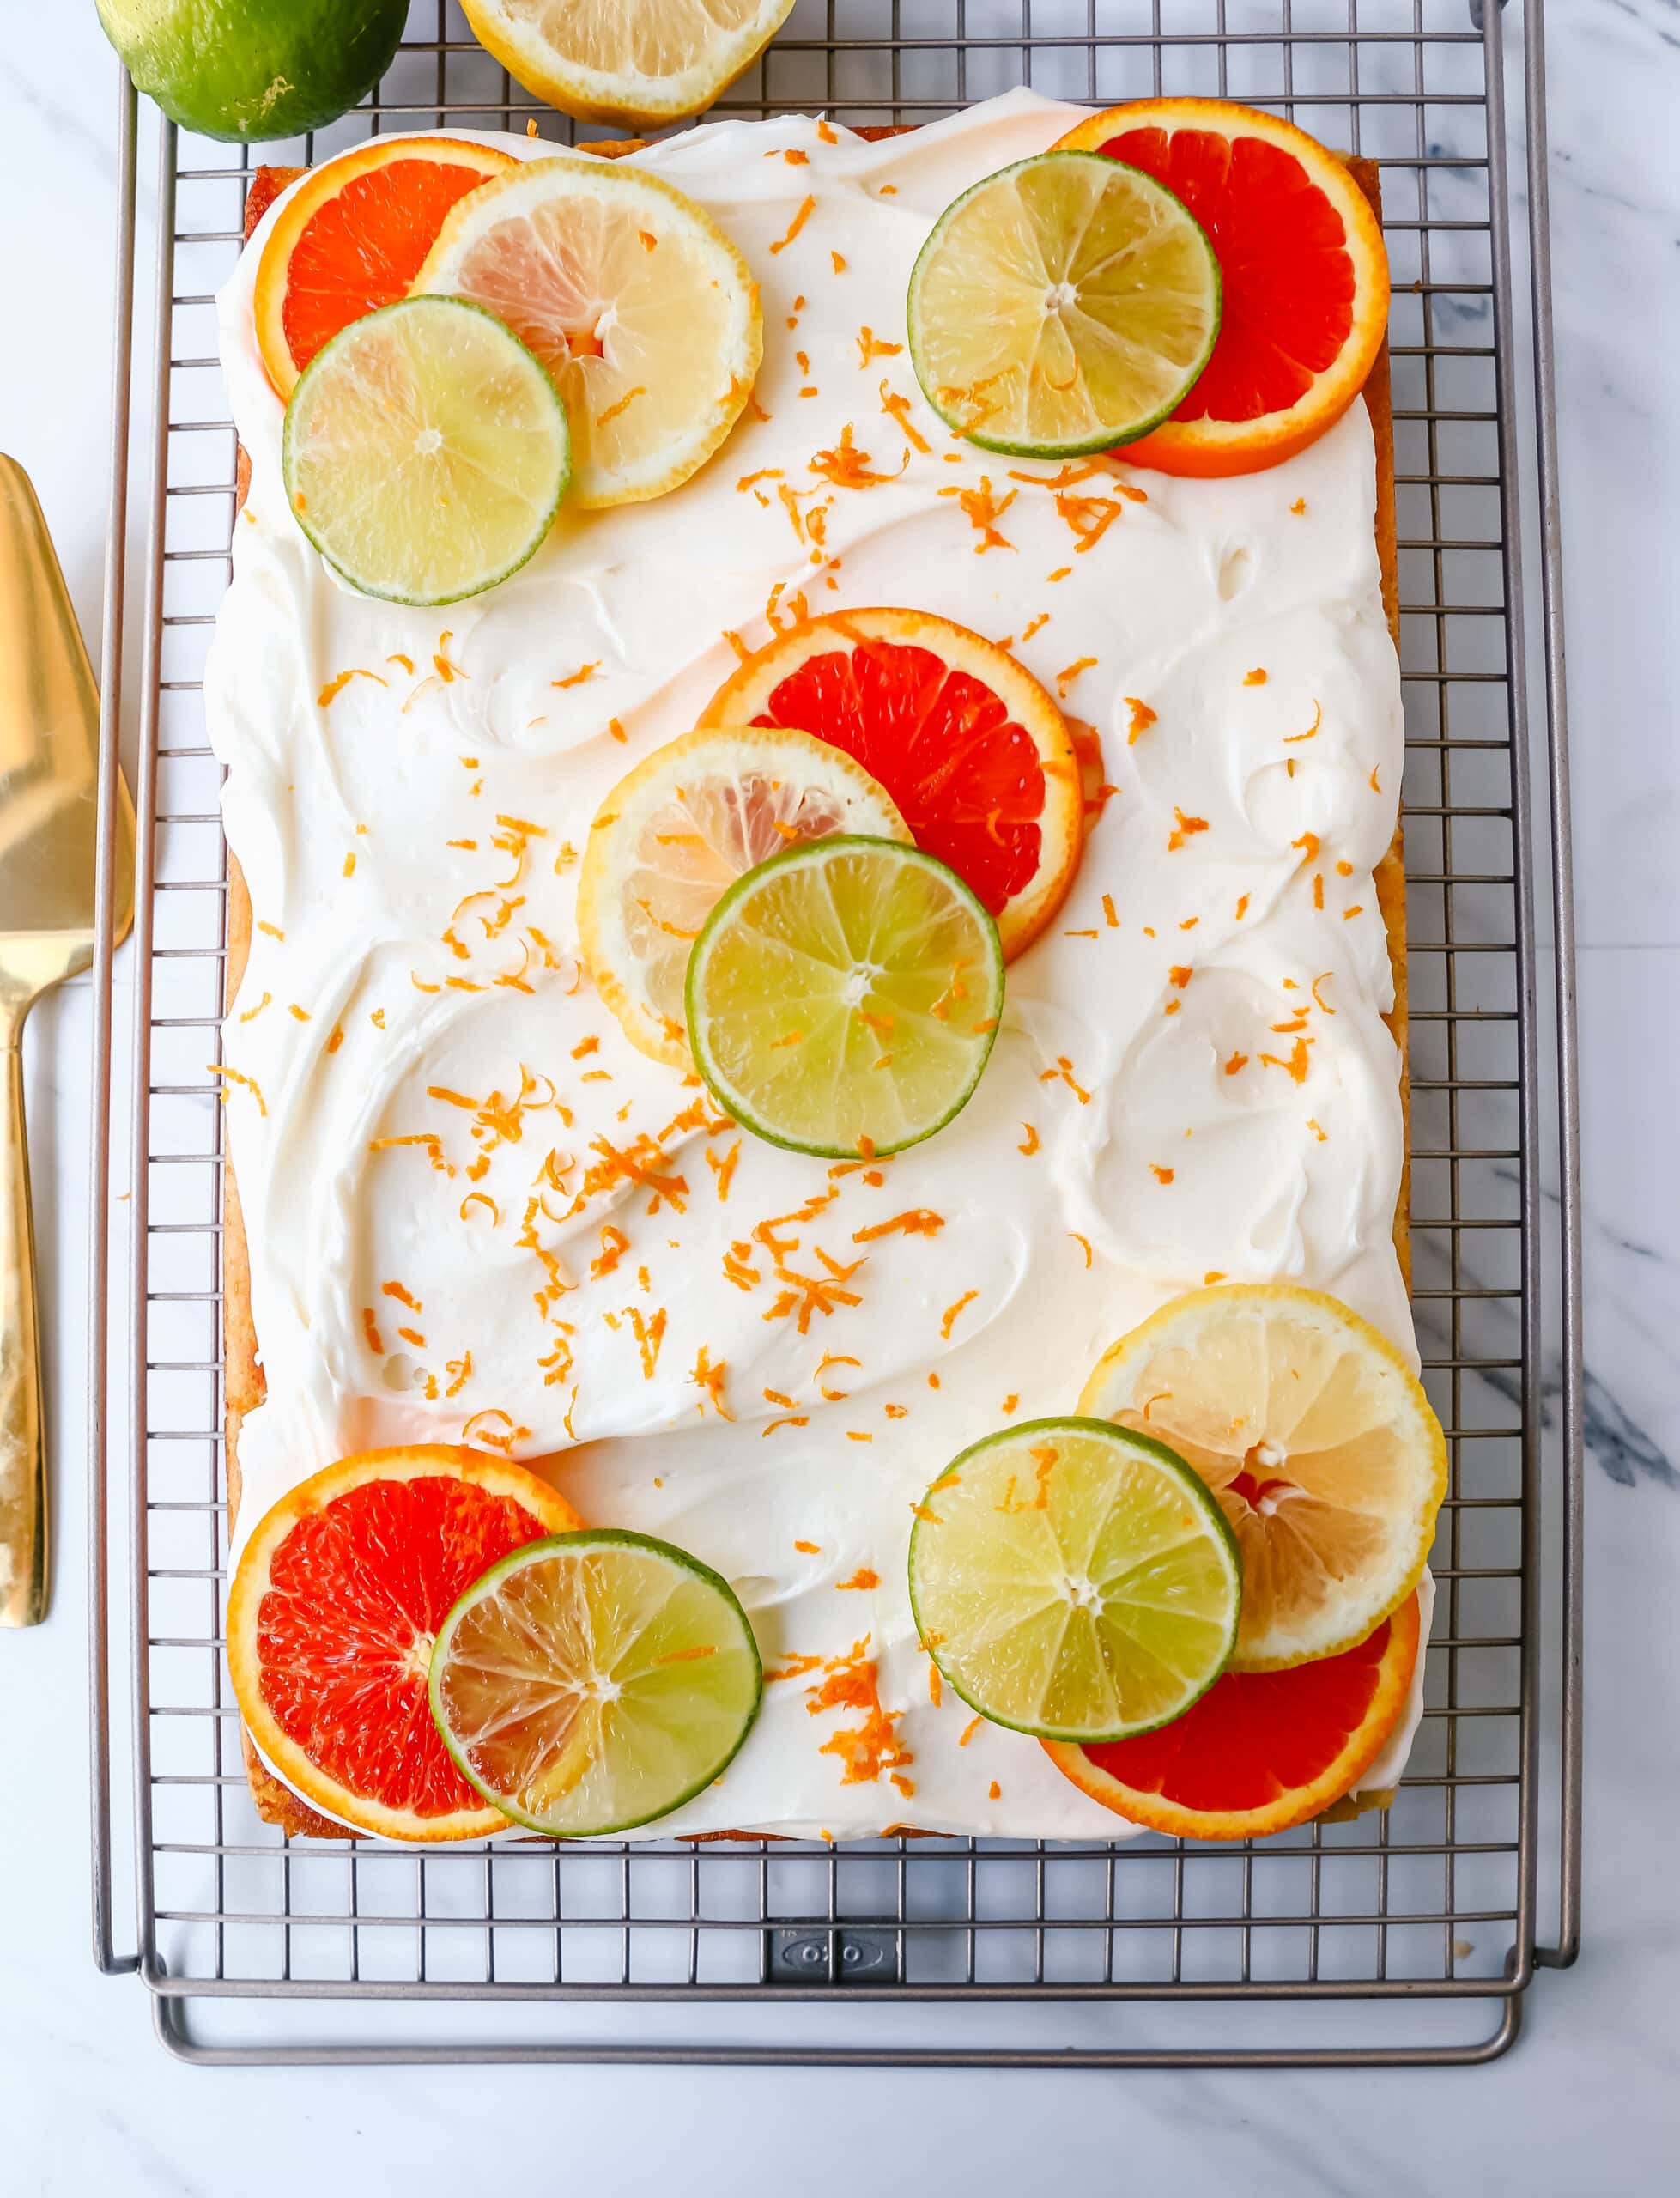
(330, 1620)
(352, 238)
(969, 746)
(1260, 1751)
(1304, 275)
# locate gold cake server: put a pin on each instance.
(49, 764)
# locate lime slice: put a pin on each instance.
(426, 452)
(1065, 304)
(843, 997)
(1075, 1580)
(591, 1682)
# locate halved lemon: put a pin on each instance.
(843, 998)
(1318, 1440)
(631, 295)
(351, 238)
(1065, 304)
(426, 452)
(594, 1681)
(631, 61)
(978, 757)
(673, 836)
(1075, 1580)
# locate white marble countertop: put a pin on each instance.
(1589, 2099)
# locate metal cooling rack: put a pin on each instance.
(1408, 1937)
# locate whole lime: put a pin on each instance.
(244, 69)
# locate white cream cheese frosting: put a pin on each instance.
(454, 1230)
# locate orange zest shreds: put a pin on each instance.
(847, 467)
(613, 1244)
(870, 347)
(948, 1318)
(271, 930)
(1296, 1064)
(1237, 1061)
(774, 1426)
(709, 1379)
(403, 1296)
(1069, 672)
(862, 1577)
(370, 1328)
(1289, 738)
(969, 1731)
(497, 1439)
(1317, 889)
(1084, 1244)
(919, 1221)
(440, 663)
(1161, 1174)
(1062, 1073)
(806, 210)
(335, 1038)
(585, 671)
(897, 408)
(1321, 1135)
(236, 1076)
(335, 687)
(1183, 827)
(1179, 975)
(252, 1013)
(982, 510)
(808, 1549)
(794, 1667)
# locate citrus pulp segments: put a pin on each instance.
(1073, 1585)
(594, 1681)
(352, 235)
(635, 61)
(368, 1637)
(678, 831)
(638, 304)
(1063, 305)
(1261, 1752)
(424, 452)
(843, 998)
(1277, 275)
(1318, 1440)
(962, 777)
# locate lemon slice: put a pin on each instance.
(672, 838)
(594, 1681)
(627, 60)
(843, 998)
(1316, 1438)
(1065, 304)
(1075, 1580)
(635, 300)
(424, 452)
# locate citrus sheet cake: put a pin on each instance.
(474, 1212)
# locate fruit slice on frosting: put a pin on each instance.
(593, 1682)
(1316, 1438)
(633, 61)
(331, 1616)
(631, 295)
(1062, 305)
(975, 754)
(1075, 1580)
(1261, 1752)
(1305, 277)
(351, 238)
(673, 836)
(426, 452)
(842, 998)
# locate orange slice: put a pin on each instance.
(673, 837)
(352, 236)
(331, 1616)
(1304, 271)
(1260, 1751)
(975, 754)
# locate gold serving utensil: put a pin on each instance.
(49, 766)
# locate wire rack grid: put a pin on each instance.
(1145, 1953)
